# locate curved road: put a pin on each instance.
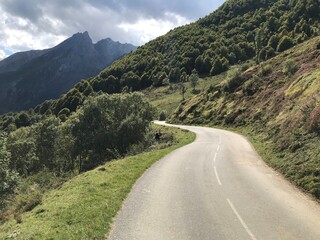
(215, 188)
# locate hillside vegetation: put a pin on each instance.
(236, 32)
(39, 157)
(271, 91)
(277, 103)
(84, 207)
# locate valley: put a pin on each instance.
(250, 67)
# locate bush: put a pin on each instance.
(265, 70)
(219, 66)
(107, 126)
(285, 43)
(318, 45)
(266, 53)
(28, 200)
(233, 81)
(162, 116)
(314, 120)
(245, 67)
(289, 68)
(250, 87)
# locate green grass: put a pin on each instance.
(84, 207)
(278, 111)
(168, 100)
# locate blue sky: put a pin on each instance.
(39, 24)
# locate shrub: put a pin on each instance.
(233, 81)
(194, 80)
(107, 126)
(318, 45)
(245, 67)
(289, 67)
(266, 53)
(284, 44)
(250, 87)
(162, 116)
(28, 200)
(314, 120)
(219, 66)
(274, 41)
(265, 70)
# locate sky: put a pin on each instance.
(40, 24)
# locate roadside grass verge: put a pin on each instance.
(84, 207)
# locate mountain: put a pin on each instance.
(29, 78)
(15, 61)
(238, 31)
(258, 62)
(277, 103)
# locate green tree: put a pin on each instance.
(22, 120)
(131, 80)
(63, 114)
(274, 41)
(64, 145)
(258, 41)
(284, 44)
(219, 66)
(203, 65)
(266, 53)
(194, 78)
(184, 77)
(107, 126)
(174, 75)
(46, 135)
(8, 177)
(182, 89)
(21, 144)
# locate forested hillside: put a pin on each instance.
(275, 92)
(39, 157)
(277, 102)
(236, 32)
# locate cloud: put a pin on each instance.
(147, 29)
(2, 54)
(38, 24)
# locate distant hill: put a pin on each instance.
(29, 78)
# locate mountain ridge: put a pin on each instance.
(35, 76)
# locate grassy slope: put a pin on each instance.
(83, 208)
(277, 117)
(168, 100)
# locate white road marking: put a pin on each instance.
(218, 148)
(217, 176)
(215, 157)
(241, 220)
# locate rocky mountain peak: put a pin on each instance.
(29, 78)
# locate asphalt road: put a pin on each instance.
(215, 188)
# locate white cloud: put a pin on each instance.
(20, 34)
(2, 54)
(38, 24)
(147, 29)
